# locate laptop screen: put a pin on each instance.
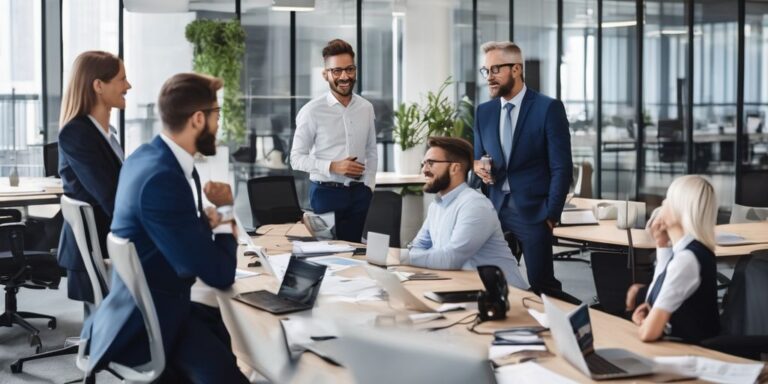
(582, 328)
(302, 281)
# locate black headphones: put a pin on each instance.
(493, 303)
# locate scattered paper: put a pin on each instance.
(725, 238)
(308, 247)
(447, 307)
(578, 217)
(711, 370)
(540, 317)
(425, 317)
(351, 289)
(336, 261)
(242, 273)
(279, 264)
(528, 372)
(496, 351)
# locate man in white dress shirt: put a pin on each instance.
(335, 142)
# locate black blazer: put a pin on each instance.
(89, 172)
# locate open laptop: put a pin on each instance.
(396, 291)
(297, 292)
(243, 238)
(574, 339)
(377, 251)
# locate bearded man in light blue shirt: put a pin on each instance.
(462, 230)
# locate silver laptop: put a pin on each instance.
(396, 291)
(377, 251)
(574, 339)
(243, 238)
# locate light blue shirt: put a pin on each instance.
(462, 231)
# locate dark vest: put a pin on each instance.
(698, 317)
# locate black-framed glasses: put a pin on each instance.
(336, 72)
(429, 163)
(495, 69)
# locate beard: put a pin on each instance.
(335, 86)
(438, 183)
(206, 142)
(504, 89)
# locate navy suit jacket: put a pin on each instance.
(89, 170)
(156, 210)
(540, 168)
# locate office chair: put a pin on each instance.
(80, 217)
(745, 214)
(273, 200)
(51, 159)
(753, 186)
(582, 187)
(23, 269)
(744, 329)
(384, 216)
(126, 263)
(671, 144)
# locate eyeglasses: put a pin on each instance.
(430, 163)
(209, 110)
(484, 72)
(336, 72)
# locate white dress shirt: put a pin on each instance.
(682, 278)
(516, 101)
(109, 137)
(328, 131)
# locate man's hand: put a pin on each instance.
(481, 172)
(214, 218)
(641, 312)
(348, 167)
(218, 193)
(632, 296)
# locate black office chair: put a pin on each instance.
(384, 216)
(51, 159)
(273, 200)
(671, 143)
(744, 320)
(24, 269)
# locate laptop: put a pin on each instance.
(243, 238)
(297, 292)
(377, 250)
(391, 283)
(574, 340)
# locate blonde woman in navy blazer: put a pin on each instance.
(90, 157)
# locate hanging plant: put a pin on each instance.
(218, 51)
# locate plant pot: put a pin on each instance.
(408, 162)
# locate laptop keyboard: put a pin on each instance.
(600, 366)
(272, 301)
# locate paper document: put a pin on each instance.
(528, 372)
(242, 273)
(711, 370)
(336, 261)
(418, 318)
(496, 351)
(578, 217)
(540, 317)
(309, 247)
(726, 238)
(351, 289)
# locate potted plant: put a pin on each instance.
(444, 118)
(409, 135)
(218, 51)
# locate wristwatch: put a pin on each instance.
(226, 213)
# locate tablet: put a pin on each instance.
(453, 296)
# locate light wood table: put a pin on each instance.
(31, 191)
(610, 331)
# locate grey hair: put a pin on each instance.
(507, 47)
(692, 200)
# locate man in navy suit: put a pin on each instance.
(158, 207)
(526, 135)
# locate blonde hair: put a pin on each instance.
(80, 97)
(692, 200)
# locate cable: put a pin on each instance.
(460, 321)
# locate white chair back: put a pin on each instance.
(745, 214)
(125, 261)
(79, 216)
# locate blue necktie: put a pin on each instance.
(507, 132)
(656, 289)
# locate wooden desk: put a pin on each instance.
(48, 191)
(610, 331)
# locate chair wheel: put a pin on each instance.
(16, 367)
(52, 324)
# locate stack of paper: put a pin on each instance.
(578, 217)
(528, 372)
(319, 247)
(711, 370)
